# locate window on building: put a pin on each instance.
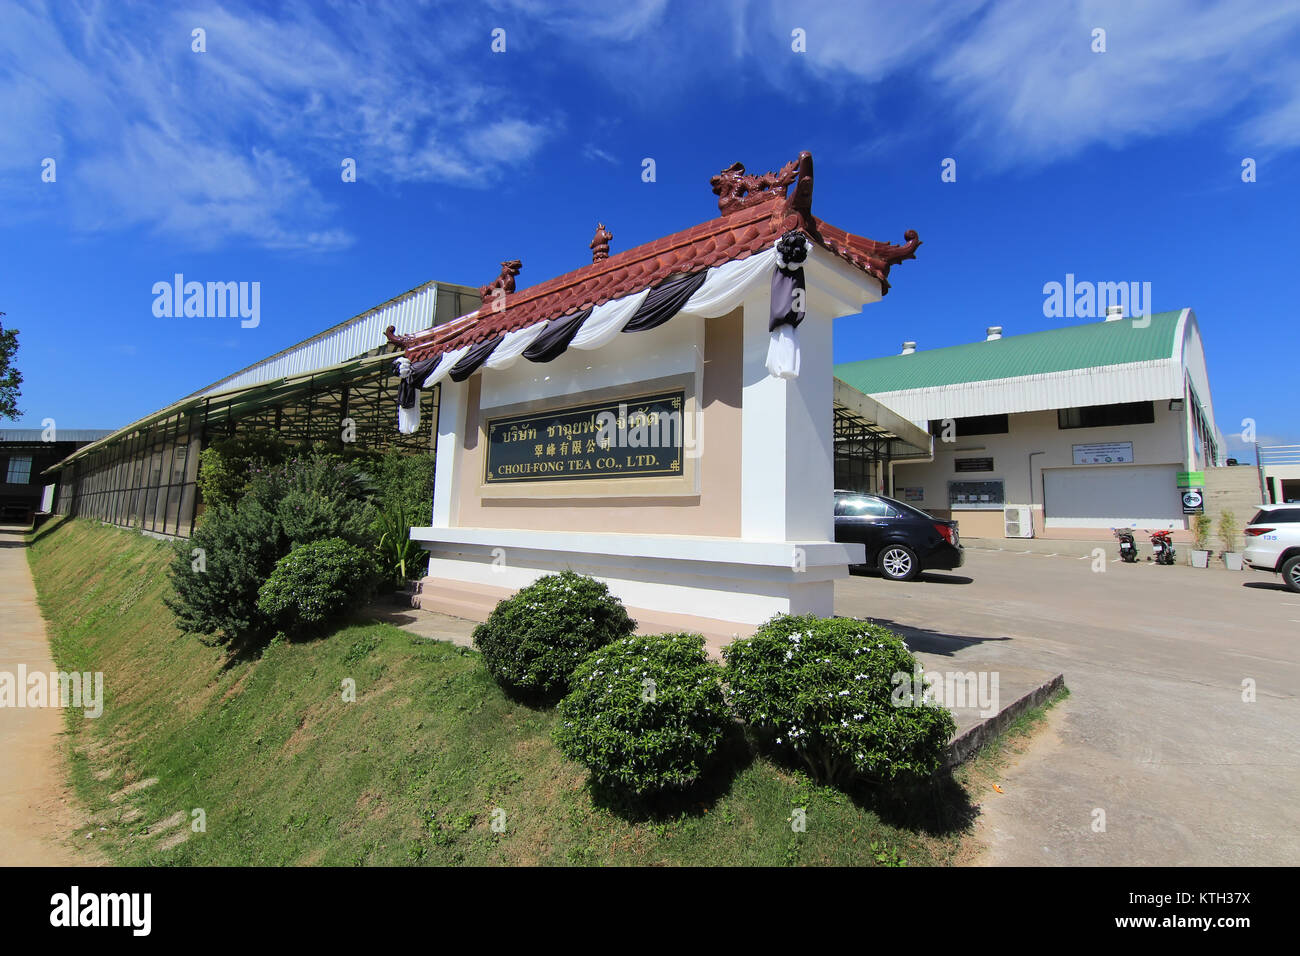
(972, 425)
(1099, 416)
(20, 470)
(978, 495)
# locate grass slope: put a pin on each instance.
(286, 772)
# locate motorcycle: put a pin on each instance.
(1128, 551)
(1162, 547)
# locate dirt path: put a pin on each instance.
(38, 813)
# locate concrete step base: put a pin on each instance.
(474, 602)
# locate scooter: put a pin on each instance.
(1162, 547)
(1128, 551)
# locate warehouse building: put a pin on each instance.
(1062, 433)
(24, 454)
(337, 385)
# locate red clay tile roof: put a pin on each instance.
(734, 236)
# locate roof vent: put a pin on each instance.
(1114, 313)
(908, 348)
(993, 332)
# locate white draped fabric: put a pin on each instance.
(783, 352)
(444, 366)
(514, 344)
(408, 419)
(724, 289)
(726, 285)
(606, 321)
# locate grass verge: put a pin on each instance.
(281, 770)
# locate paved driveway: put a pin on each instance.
(1155, 734)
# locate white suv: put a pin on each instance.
(1273, 542)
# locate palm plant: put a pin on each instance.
(396, 549)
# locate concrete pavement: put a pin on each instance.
(37, 811)
(1156, 734)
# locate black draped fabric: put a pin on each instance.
(556, 338)
(665, 300)
(471, 360)
(407, 387)
(784, 310)
(787, 281)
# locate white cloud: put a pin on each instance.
(1017, 78)
(592, 151)
(244, 141)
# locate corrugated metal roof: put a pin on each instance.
(1073, 388)
(1096, 344)
(61, 434)
(412, 311)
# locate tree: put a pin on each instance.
(10, 377)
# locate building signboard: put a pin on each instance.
(621, 438)
(1103, 453)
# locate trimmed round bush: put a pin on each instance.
(315, 583)
(533, 640)
(823, 690)
(646, 714)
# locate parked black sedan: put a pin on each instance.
(901, 541)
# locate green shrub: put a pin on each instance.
(227, 467)
(532, 641)
(1228, 530)
(302, 500)
(1202, 525)
(402, 487)
(319, 497)
(215, 575)
(315, 583)
(822, 690)
(402, 480)
(646, 714)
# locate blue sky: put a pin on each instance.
(1123, 165)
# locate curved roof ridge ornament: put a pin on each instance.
(493, 294)
(600, 243)
(737, 189)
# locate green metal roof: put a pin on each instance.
(1053, 350)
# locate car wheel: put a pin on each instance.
(898, 562)
(1291, 573)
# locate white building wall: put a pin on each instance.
(1159, 443)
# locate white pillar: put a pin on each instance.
(451, 426)
(787, 470)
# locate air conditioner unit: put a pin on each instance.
(1019, 522)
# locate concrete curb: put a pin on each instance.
(964, 746)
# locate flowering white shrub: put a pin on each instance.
(531, 642)
(646, 714)
(820, 689)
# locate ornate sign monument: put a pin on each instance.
(660, 418)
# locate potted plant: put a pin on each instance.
(1201, 551)
(1228, 535)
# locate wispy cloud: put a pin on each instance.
(244, 141)
(592, 151)
(1017, 80)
